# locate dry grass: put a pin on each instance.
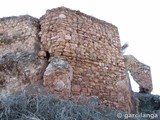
(40, 107)
(32, 107)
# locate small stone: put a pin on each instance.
(84, 90)
(67, 37)
(42, 54)
(62, 16)
(59, 85)
(76, 88)
(80, 79)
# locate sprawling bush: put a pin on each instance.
(40, 107)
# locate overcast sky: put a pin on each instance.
(138, 22)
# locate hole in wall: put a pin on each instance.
(47, 55)
(134, 85)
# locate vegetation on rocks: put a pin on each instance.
(39, 107)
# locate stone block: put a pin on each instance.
(58, 76)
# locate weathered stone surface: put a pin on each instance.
(19, 47)
(19, 34)
(92, 48)
(140, 72)
(72, 54)
(58, 76)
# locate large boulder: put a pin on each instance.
(58, 76)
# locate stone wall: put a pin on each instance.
(19, 47)
(140, 72)
(19, 34)
(70, 53)
(92, 48)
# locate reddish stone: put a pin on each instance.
(90, 46)
(19, 47)
(84, 90)
(140, 72)
(76, 88)
(58, 76)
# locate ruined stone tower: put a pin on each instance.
(82, 51)
(92, 48)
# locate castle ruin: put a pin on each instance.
(72, 53)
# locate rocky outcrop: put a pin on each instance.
(19, 47)
(58, 77)
(140, 72)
